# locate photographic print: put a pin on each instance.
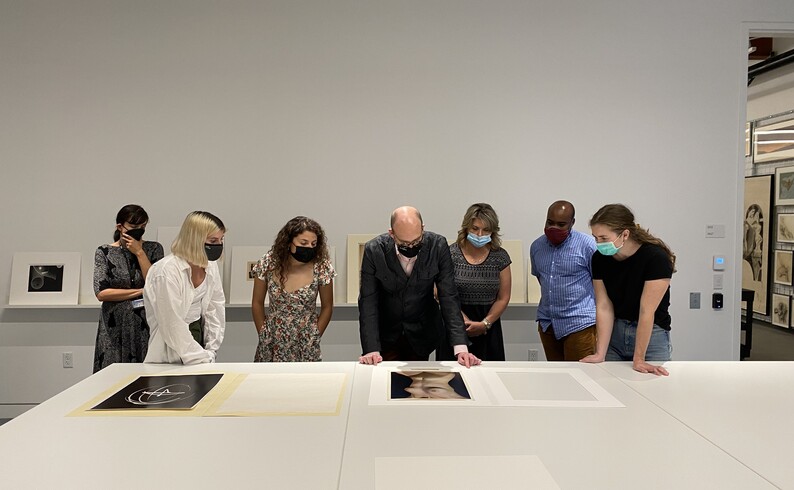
(775, 141)
(45, 278)
(781, 310)
(165, 392)
(785, 228)
(784, 186)
(443, 385)
(250, 268)
(755, 238)
(783, 262)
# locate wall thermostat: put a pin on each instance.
(718, 263)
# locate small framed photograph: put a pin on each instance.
(784, 186)
(45, 278)
(783, 262)
(241, 283)
(785, 228)
(781, 310)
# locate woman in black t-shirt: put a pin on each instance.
(631, 279)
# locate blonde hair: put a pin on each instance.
(488, 216)
(618, 217)
(189, 243)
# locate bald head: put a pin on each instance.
(561, 215)
(406, 224)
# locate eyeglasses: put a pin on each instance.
(412, 244)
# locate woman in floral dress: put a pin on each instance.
(292, 273)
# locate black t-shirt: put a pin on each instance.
(625, 279)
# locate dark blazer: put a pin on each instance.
(390, 303)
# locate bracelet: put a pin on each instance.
(486, 323)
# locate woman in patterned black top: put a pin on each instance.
(119, 273)
(482, 275)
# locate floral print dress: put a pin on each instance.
(290, 333)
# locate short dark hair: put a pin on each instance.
(132, 214)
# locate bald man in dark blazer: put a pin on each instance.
(399, 317)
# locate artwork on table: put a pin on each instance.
(748, 139)
(355, 254)
(785, 228)
(266, 394)
(755, 237)
(784, 186)
(45, 278)
(783, 263)
(162, 392)
(430, 385)
(774, 141)
(781, 310)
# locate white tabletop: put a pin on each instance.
(636, 446)
(709, 425)
(744, 408)
(45, 448)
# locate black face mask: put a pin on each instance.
(409, 252)
(136, 234)
(304, 254)
(213, 251)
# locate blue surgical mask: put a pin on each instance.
(609, 248)
(478, 241)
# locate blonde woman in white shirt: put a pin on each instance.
(183, 295)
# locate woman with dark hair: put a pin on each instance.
(631, 280)
(120, 270)
(292, 273)
(184, 297)
(483, 280)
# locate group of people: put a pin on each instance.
(603, 297)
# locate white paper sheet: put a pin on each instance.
(285, 394)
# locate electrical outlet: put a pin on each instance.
(694, 301)
(533, 354)
(68, 360)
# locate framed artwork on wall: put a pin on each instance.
(783, 262)
(784, 186)
(774, 141)
(241, 282)
(785, 228)
(755, 238)
(748, 139)
(781, 310)
(45, 278)
(518, 288)
(355, 254)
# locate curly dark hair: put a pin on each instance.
(280, 253)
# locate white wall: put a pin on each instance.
(342, 110)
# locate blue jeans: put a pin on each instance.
(624, 334)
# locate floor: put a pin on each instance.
(771, 343)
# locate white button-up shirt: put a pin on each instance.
(167, 297)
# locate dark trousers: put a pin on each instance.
(401, 351)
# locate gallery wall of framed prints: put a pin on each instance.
(768, 227)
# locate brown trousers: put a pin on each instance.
(572, 347)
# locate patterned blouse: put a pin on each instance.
(478, 284)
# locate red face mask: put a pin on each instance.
(556, 235)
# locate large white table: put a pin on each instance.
(709, 425)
